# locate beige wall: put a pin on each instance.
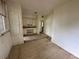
(16, 36)
(48, 25)
(63, 26)
(5, 40)
(39, 26)
(15, 17)
(5, 45)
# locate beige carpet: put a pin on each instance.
(39, 49)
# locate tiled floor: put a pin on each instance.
(39, 49)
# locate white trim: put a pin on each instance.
(4, 23)
(58, 44)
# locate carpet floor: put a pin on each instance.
(39, 49)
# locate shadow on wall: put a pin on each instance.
(65, 26)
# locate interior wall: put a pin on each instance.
(5, 40)
(39, 25)
(48, 25)
(15, 16)
(5, 45)
(63, 26)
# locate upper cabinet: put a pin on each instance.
(29, 22)
(29, 25)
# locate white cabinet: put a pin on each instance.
(29, 31)
(29, 25)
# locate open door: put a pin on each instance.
(42, 26)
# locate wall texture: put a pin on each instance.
(63, 26)
(5, 45)
(39, 25)
(5, 40)
(48, 25)
(16, 36)
(15, 17)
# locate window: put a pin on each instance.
(3, 17)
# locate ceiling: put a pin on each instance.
(43, 7)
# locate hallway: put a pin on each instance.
(39, 49)
(39, 29)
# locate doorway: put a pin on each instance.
(42, 26)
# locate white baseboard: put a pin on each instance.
(58, 44)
